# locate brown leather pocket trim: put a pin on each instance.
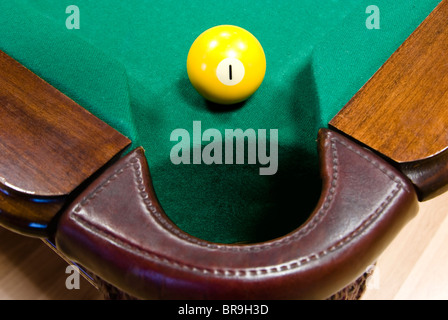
(118, 230)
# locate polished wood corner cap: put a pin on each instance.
(49, 144)
(402, 111)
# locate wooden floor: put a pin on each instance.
(30, 270)
(415, 266)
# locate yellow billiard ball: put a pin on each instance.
(226, 64)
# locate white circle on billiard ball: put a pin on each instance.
(230, 71)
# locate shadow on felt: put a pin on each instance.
(233, 203)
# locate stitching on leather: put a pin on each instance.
(294, 264)
(162, 221)
(315, 220)
(100, 188)
(300, 233)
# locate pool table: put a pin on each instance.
(125, 63)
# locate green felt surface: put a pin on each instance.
(127, 65)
